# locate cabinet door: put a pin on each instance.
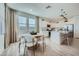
(55, 37)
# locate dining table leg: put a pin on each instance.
(33, 48)
(43, 44)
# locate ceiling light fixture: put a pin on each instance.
(63, 14)
(30, 9)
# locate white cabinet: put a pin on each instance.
(55, 37)
(76, 30)
(76, 26)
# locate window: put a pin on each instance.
(26, 23)
(32, 23)
(22, 24)
(0, 27)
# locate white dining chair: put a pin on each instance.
(27, 41)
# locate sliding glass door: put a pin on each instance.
(2, 27)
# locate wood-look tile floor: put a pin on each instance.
(51, 49)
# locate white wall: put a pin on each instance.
(76, 26)
(2, 21)
(42, 27)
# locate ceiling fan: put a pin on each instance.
(47, 7)
(65, 19)
(62, 17)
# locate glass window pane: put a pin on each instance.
(0, 27)
(22, 19)
(22, 24)
(31, 24)
(31, 21)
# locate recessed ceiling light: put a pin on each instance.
(30, 9)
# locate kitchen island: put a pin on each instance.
(60, 37)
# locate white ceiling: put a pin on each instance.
(38, 9)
